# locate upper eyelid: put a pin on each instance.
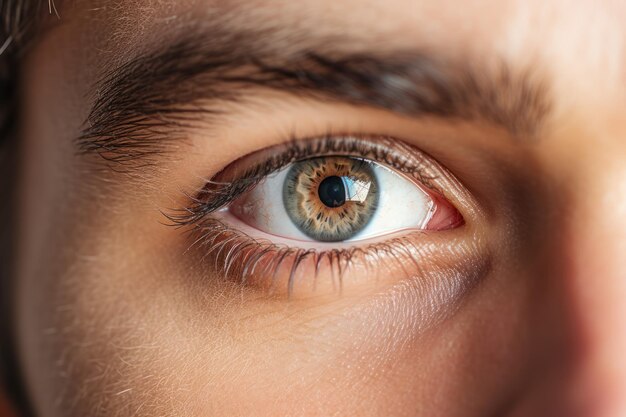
(225, 186)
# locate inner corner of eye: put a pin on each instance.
(445, 216)
(341, 198)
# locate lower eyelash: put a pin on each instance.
(242, 259)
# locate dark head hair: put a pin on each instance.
(19, 20)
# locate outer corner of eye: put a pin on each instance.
(342, 198)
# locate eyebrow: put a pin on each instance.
(148, 104)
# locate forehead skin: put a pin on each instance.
(546, 34)
(82, 320)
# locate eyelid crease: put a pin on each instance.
(228, 184)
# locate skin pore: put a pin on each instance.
(518, 312)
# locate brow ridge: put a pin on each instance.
(145, 105)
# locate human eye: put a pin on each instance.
(341, 197)
(339, 203)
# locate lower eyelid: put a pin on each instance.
(313, 272)
(233, 221)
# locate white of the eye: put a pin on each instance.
(266, 206)
(401, 205)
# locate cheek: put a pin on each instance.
(133, 331)
(93, 341)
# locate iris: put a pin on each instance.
(331, 199)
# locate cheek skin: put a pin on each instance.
(147, 337)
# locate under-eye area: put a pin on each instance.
(324, 212)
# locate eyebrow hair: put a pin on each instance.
(148, 104)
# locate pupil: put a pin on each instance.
(332, 192)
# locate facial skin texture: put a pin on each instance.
(118, 318)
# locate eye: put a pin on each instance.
(339, 198)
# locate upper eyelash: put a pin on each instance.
(218, 192)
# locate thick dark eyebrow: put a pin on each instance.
(149, 103)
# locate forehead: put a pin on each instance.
(578, 38)
(577, 47)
